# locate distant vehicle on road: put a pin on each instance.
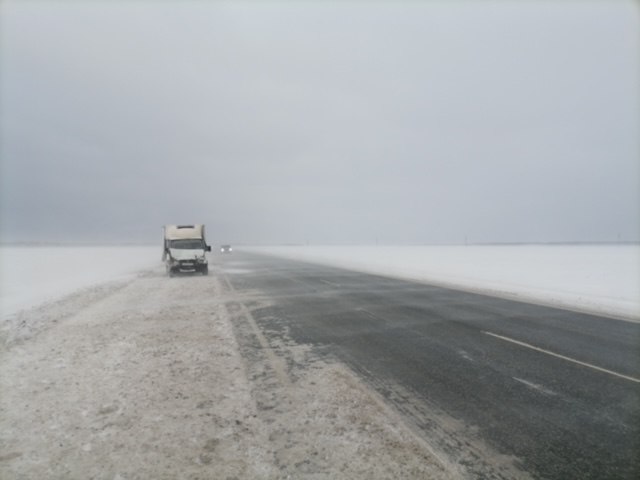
(226, 249)
(184, 249)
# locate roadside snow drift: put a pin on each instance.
(33, 275)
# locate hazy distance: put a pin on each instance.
(416, 122)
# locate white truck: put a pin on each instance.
(184, 249)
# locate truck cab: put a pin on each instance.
(184, 249)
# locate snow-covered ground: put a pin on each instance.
(158, 378)
(33, 275)
(597, 278)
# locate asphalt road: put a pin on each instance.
(490, 382)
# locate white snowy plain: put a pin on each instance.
(32, 275)
(596, 278)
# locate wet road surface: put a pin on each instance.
(490, 382)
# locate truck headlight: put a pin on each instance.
(201, 259)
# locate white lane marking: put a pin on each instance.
(535, 386)
(329, 283)
(465, 355)
(372, 315)
(569, 359)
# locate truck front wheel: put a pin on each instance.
(205, 270)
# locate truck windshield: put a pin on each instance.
(192, 244)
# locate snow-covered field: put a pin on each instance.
(596, 278)
(33, 275)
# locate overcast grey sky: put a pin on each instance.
(412, 122)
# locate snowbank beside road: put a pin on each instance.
(33, 275)
(598, 278)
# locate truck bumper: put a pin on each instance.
(187, 266)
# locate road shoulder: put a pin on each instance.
(165, 378)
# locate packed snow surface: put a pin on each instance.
(596, 278)
(159, 378)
